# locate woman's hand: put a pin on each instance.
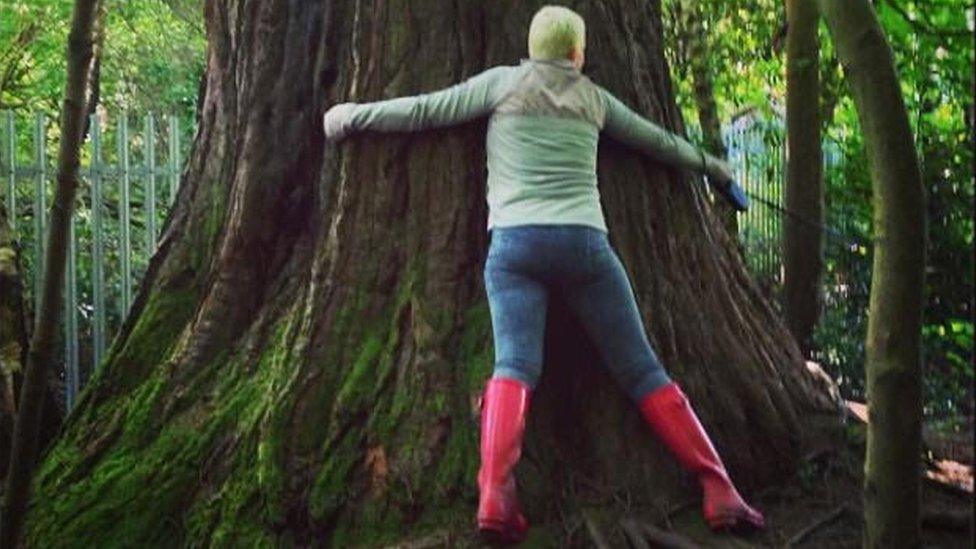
(722, 179)
(336, 121)
(718, 169)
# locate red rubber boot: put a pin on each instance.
(669, 413)
(503, 410)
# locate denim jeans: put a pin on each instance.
(526, 264)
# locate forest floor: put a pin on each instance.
(820, 507)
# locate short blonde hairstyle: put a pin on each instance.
(554, 32)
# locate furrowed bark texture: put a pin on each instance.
(894, 365)
(14, 315)
(13, 336)
(303, 363)
(802, 237)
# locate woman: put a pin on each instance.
(548, 236)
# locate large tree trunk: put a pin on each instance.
(894, 365)
(303, 360)
(802, 237)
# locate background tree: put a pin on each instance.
(302, 360)
(933, 49)
(891, 484)
(802, 233)
(24, 446)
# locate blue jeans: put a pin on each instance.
(527, 263)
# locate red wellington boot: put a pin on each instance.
(669, 413)
(503, 410)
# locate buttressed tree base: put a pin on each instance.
(303, 361)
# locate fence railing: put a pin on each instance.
(120, 207)
(756, 150)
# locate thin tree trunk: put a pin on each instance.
(802, 237)
(26, 428)
(93, 91)
(893, 461)
(302, 363)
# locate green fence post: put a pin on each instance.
(768, 195)
(174, 157)
(780, 186)
(72, 380)
(125, 242)
(149, 200)
(98, 252)
(11, 174)
(40, 210)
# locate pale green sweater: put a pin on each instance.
(541, 146)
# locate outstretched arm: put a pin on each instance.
(470, 99)
(627, 126)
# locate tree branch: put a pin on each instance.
(926, 26)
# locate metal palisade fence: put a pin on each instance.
(128, 181)
(756, 151)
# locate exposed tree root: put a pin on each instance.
(594, 530)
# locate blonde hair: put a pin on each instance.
(554, 32)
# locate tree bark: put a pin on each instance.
(894, 383)
(24, 449)
(802, 237)
(303, 361)
(13, 335)
(14, 315)
(93, 89)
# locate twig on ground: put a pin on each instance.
(634, 534)
(598, 539)
(679, 508)
(819, 523)
(607, 490)
(440, 538)
(668, 540)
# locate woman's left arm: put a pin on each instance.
(468, 100)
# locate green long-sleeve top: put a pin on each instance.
(545, 120)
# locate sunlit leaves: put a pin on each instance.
(932, 42)
(152, 59)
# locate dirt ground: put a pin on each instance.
(819, 507)
(822, 508)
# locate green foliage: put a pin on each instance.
(743, 54)
(152, 59)
(933, 48)
(934, 61)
